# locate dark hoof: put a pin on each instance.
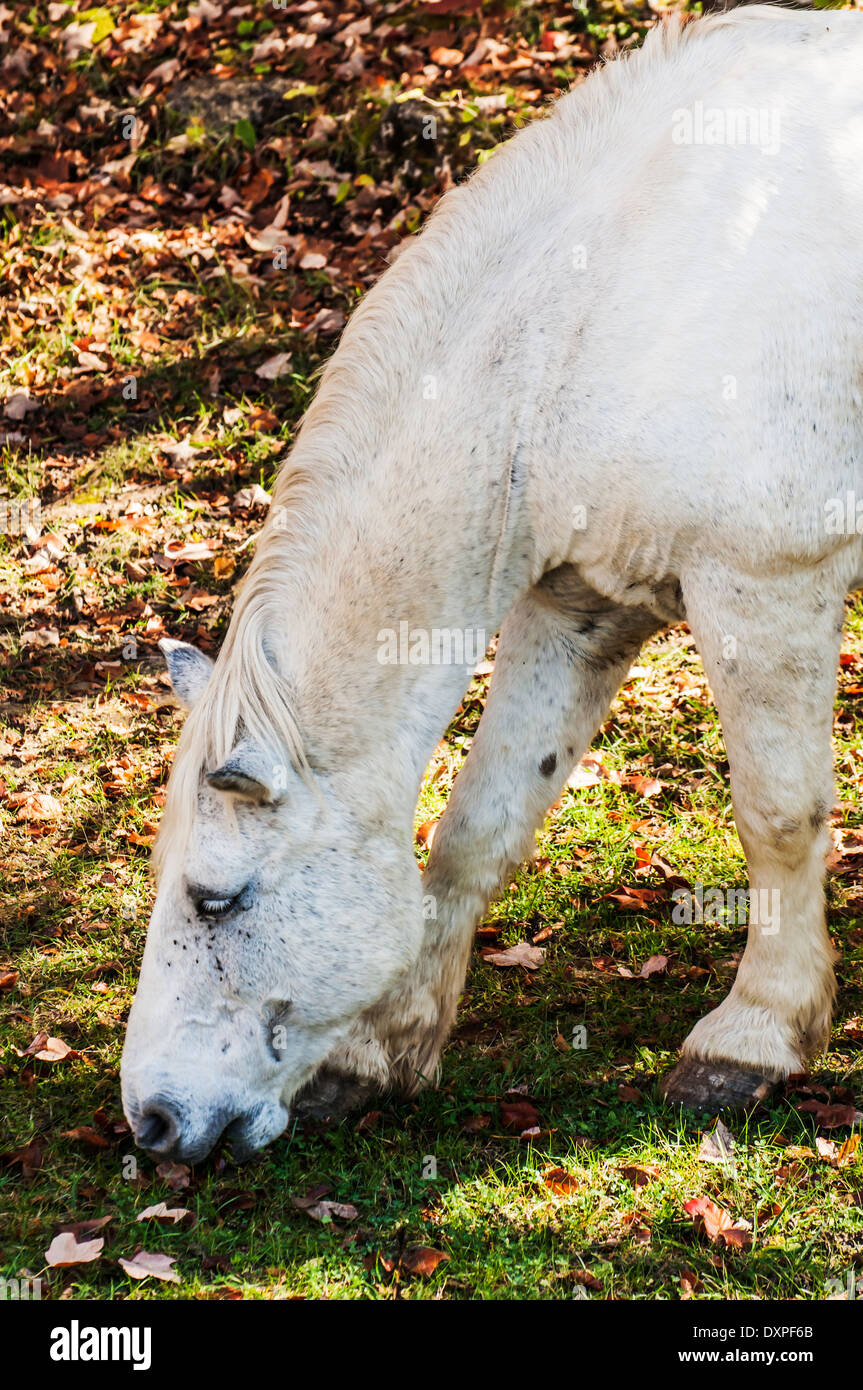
(331, 1096)
(716, 1086)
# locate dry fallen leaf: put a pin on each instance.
(560, 1182)
(531, 957)
(840, 1155)
(194, 551)
(277, 366)
(176, 1175)
(168, 1216)
(717, 1224)
(18, 404)
(254, 496)
(146, 1264)
(829, 1116)
(637, 899)
(426, 833)
(640, 1174)
(326, 1211)
(656, 965)
(644, 786)
(85, 1134)
(717, 1146)
(35, 806)
(29, 1157)
(80, 1229)
(848, 1151)
(46, 1049)
(422, 1260)
(519, 1114)
(65, 1250)
(224, 566)
(179, 451)
(588, 773)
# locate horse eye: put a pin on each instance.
(211, 904)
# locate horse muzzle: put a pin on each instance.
(172, 1129)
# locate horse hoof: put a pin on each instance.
(716, 1086)
(332, 1095)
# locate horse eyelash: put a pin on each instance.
(216, 907)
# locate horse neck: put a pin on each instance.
(400, 558)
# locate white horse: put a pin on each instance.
(615, 383)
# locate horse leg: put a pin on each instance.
(770, 650)
(562, 654)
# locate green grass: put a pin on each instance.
(95, 730)
(73, 925)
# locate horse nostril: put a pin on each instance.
(158, 1130)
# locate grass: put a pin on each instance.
(443, 1171)
(88, 720)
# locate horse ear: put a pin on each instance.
(188, 668)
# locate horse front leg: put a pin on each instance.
(562, 654)
(770, 650)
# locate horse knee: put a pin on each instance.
(788, 830)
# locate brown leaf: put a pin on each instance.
(277, 366)
(426, 833)
(689, 1283)
(65, 1250)
(589, 773)
(828, 1116)
(30, 1157)
(531, 957)
(35, 806)
(167, 1216)
(474, 1123)
(311, 1196)
(519, 1114)
(224, 566)
(635, 899)
(644, 786)
(717, 1224)
(656, 965)
(146, 1264)
(447, 57)
(718, 1145)
(327, 1211)
(47, 1049)
(629, 1093)
(848, 1151)
(422, 1260)
(560, 1182)
(85, 1134)
(176, 1175)
(640, 1174)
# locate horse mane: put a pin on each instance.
(248, 693)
